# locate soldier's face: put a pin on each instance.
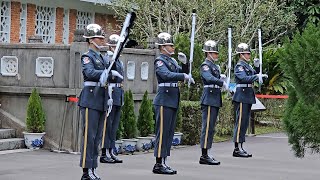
(169, 48)
(99, 41)
(247, 56)
(213, 55)
(112, 48)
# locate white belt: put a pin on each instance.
(212, 86)
(115, 85)
(168, 85)
(91, 83)
(244, 85)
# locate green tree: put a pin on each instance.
(128, 117)
(277, 83)
(213, 18)
(36, 117)
(306, 11)
(300, 60)
(145, 118)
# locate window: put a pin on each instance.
(65, 38)
(23, 23)
(45, 23)
(5, 21)
(83, 19)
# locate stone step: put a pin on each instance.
(12, 143)
(7, 133)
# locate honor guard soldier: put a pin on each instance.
(116, 102)
(211, 99)
(244, 97)
(166, 101)
(93, 100)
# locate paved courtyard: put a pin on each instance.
(272, 160)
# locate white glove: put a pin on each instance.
(191, 80)
(223, 77)
(225, 86)
(182, 58)
(262, 76)
(186, 76)
(256, 62)
(116, 73)
(110, 53)
(104, 77)
(110, 102)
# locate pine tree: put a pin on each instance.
(300, 59)
(129, 118)
(36, 119)
(145, 119)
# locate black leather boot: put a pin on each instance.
(114, 157)
(173, 170)
(160, 168)
(249, 155)
(237, 152)
(106, 159)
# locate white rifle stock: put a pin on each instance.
(192, 44)
(229, 55)
(128, 23)
(260, 56)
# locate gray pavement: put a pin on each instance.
(272, 160)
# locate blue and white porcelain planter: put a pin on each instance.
(129, 145)
(34, 140)
(144, 143)
(118, 147)
(177, 138)
(153, 139)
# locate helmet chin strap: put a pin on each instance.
(97, 46)
(243, 57)
(165, 49)
(213, 59)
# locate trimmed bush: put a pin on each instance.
(274, 111)
(128, 117)
(191, 118)
(120, 128)
(145, 118)
(36, 118)
(179, 120)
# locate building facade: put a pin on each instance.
(55, 21)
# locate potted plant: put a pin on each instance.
(129, 124)
(145, 124)
(35, 122)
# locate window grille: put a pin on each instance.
(23, 23)
(45, 23)
(5, 20)
(83, 19)
(65, 38)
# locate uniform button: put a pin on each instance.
(210, 90)
(242, 89)
(167, 90)
(91, 90)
